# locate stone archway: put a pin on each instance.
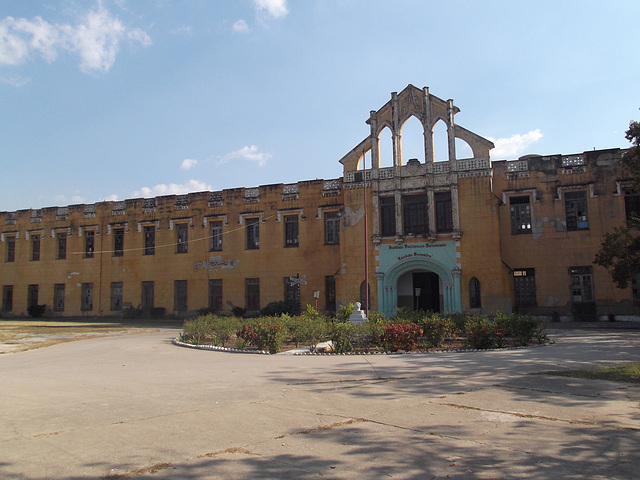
(449, 285)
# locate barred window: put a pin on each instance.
(331, 228)
(520, 211)
(387, 216)
(216, 236)
(291, 231)
(252, 293)
(118, 242)
(253, 233)
(415, 215)
(182, 234)
(575, 204)
(444, 217)
(524, 283)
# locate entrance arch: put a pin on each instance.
(448, 285)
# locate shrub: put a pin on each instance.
(157, 312)
(344, 312)
(340, 335)
(248, 334)
(523, 328)
(275, 309)
(368, 335)
(198, 331)
(269, 336)
(405, 316)
(310, 328)
(436, 329)
(480, 332)
(398, 336)
(36, 311)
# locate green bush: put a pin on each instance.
(276, 309)
(36, 311)
(368, 335)
(344, 312)
(309, 329)
(523, 328)
(269, 335)
(435, 329)
(340, 334)
(480, 332)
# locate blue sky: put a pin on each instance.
(116, 99)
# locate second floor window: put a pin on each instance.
(387, 216)
(149, 240)
(520, 211)
(331, 228)
(35, 248)
(415, 215)
(11, 249)
(444, 217)
(253, 233)
(182, 238)
(89, 242)
(291, 231)
(216, 236)
(575, 205)
(118, 242)
(62, 246)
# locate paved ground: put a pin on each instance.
(110, 407)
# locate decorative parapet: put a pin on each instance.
(36, 216)
(251, 195)
(62, 213)
(89, 211)
(572, 160)
(215, 199)
(518, 169)
(290, 192)
(149, 205)
(331, 188)
(118, 209)
(473, 164)
(182, 202)
(386, 173)
(440, 167)
(11, 218)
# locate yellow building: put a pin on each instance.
(461, 234)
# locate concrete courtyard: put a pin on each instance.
(136, 405)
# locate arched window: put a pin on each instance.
(385, 151)
(440, 142)
(362, 295)
(474, 293)
(412, 140)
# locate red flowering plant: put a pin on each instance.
(480, 332)
(398, 336)
(269, 335)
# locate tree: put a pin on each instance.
(620, 250)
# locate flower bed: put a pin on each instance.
(406, 332)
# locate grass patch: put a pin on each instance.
(627, 372)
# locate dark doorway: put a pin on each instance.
(429, 285)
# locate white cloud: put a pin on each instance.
(240, 26)
(188, 163)
(14, 81)
(172, 189)
(515, 145)
(274, 8)
(110, 198)
(96, 39)
(248, 153)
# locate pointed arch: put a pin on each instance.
(412, 135)
(385, 147)
(463, 150)
(474, 293)
(440, 141)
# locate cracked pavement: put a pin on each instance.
(137, 406)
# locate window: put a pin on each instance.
(35, 247)
(415, 215)
(149, 240)
(520, 211)
(291, 291)
(62, 246)
(581, 284)
(291, 231)
(147, 295)
(32, 295)
(252, 293)
(387, 216)
(444, 217)
(58, 297)
(331, 228)
(118, 242)
(215, 294)
(89, 241)
(575, 205)
(524, 285)
(180, 295)
(216, 236)
(7, 298)
(474, 293)
(631, 204)
(183, 237)
(253, 233)
(11, 249)
(87, 297)
(363, 300)
(330, 293)
(635, 286)
(116, 296)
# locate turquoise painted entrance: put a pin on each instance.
(431, 268)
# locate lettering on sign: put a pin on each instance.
(217, 262)
(414, 254)
(416, 245)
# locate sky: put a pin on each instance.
(117, 99)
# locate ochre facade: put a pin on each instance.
(463, 234)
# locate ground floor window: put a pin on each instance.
(32, 295)
(180, 295)
(215, 294)
(58, 297)
(524, 286)
(330, 293)
(116, 296)
(147, 295)
(581, 284)
(474, 293)
(87, 297)
(252, 294)
(7, 298)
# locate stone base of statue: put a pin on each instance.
(358, 315)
